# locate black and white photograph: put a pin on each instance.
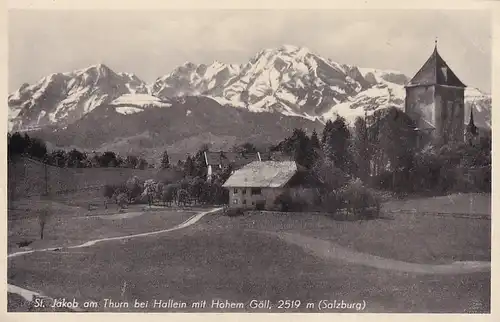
(249, 160)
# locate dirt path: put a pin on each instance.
(329, 250)
(29, 295)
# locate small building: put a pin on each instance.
(218, 160)
(260, 182)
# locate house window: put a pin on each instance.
(235, 201)
(244, 202)
(256, 191)
(235, 190)
(243, 191)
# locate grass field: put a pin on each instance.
(234, 259)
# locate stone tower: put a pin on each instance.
(435, 102)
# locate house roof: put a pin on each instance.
(273, 174)
(233, 158)
(435, 71)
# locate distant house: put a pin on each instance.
(263, 181)
(218, 160)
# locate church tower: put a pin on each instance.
(471, 132)
(435, 102)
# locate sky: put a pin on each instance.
(151, 44)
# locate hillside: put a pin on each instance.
(179, 127)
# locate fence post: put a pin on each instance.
(46, 179)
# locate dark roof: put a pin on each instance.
(435, 71)
(275, 156)
(230, 158)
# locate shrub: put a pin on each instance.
(182, 196)
(234, 211)
(328, 174)
(360, 200)
(331, 202)
(260, 205)
(286, 202)
(283, 202)
(168, 193)
(122, 200)
(109, 190)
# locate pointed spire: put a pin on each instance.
(436, 43)
(471, 120)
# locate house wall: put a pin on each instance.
(237, 196)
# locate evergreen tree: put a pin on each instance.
(189, 168)
(361, 149)
(336, 137)
(165, 161)
(315, 144)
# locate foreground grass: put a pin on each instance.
(236, 265)
(62, 229)
(405, 237)
(465, 203)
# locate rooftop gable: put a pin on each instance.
(435, 71)
(259, 174)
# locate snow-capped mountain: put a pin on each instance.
(192, 79)
(292, 81)
(63, 98)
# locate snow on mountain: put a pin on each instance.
(290, 80)
(192, 79)
(387, 91)
(377, 97)
(374, 76)
(62, 98)
(135, 103)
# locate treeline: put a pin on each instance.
(24, 145)
(381, 150)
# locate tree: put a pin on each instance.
(299, 146)
(169, 192)
(165, 161)
(315, 144)
(336, 143)
(131, 161)
(142, 164)
(108, 159)
(75, 159)
(189, 168)
(37, 148)
(134, 188)
(43, 217)
(361, 149)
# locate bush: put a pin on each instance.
(331, 202)
(234, 211)
(109, 191)
(286, 202)
(122, 200)
(260, 205)
(360, 200)
(168, 193)
(283, 202)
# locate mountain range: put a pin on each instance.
(220, 104)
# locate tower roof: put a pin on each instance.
(435, 71)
